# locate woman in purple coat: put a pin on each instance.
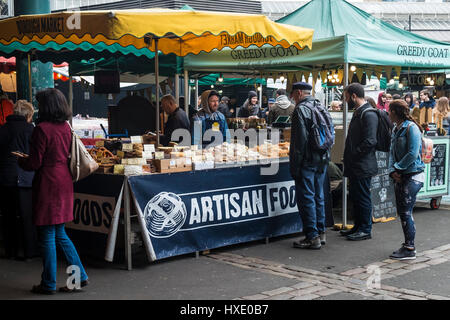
(52, 187)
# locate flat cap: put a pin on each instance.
(301, 86)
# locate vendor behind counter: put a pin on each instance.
(177, 119)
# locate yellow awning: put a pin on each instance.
(179, 32)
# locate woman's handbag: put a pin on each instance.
(81, 164)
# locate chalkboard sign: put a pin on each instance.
(437, 166)
(382, 191)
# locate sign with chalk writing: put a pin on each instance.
(382, 191)
(437, 166)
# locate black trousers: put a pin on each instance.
(18, 230)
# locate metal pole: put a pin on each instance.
(196, 94)
(177, 88)
(71, 98)
(344, 136)
(127, 224)
(157, 90)
(187, 92)
(260, 92)
(30, 86)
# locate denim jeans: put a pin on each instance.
(359, 192)
(310, 200)
(405, 194)
(49, 236)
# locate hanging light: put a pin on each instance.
(428, 79)
(330, 77)
(212, 86)
(220, 78)
(392, 81)
(400, 85)
(352, 68)
(432, 83)
(220, 91)
(335, 76)
(281, 78)
(259, 88)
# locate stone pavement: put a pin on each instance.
(315, 284)
(341, 270)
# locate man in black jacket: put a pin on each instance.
(177, 119)
(360, 162)
(308, 168)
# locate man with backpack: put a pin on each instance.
(360, 162)
(312, 135)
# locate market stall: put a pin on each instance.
(141, 33)
(349, 45)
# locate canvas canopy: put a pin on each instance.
(342, 34)
(133, 32)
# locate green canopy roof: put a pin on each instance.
(342, 33)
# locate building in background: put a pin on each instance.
(429, 20)
(242, 6)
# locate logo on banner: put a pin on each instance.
(164, 215)
(168, 213)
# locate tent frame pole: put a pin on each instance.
(71, 99)
(187, 92)
(157, 90)
(344, 135)
(30, 85)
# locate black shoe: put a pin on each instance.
(357, 236)
(403, 254)
(347, 232)
(323, 238)
(308, 243)
(40, 290)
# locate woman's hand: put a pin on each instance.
(396, 176)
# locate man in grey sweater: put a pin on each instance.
(282, 107)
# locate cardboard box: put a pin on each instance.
(161, 164)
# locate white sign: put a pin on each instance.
(92, 213)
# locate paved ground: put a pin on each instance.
(339, 271)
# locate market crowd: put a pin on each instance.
(37, 189)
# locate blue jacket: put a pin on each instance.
(202, 121)
(428, 104)
(406, 149)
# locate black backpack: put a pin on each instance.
(322, 131)
(384, 130)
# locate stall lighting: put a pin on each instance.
(432, 83)
(220, 78)
(220, 91)
(353, 68)
(428, 79)
(281, 78)
(212, 86)
(400, 85)
(335, 76)
(330, 77)
(259, 88)
(392, 81)
(447, 76)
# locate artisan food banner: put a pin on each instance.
(186, 212)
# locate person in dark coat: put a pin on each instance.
(224, 108)
(52, 186)
(308, 168)
(15, 184)
(427, 100)
(177, 120)
(250, 108)
(360, 162)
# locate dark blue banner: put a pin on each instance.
(193, 211)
